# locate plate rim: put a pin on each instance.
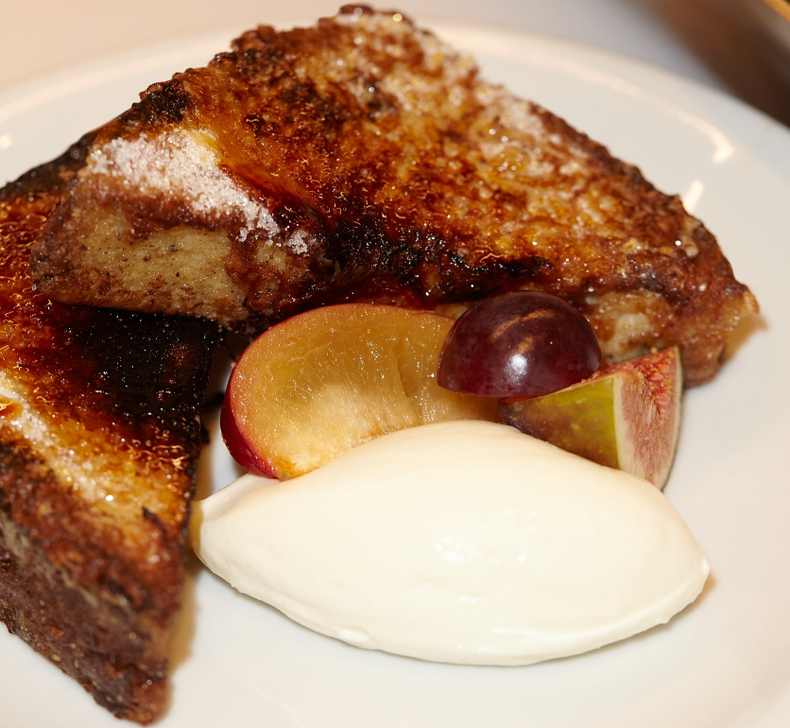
(770, 125)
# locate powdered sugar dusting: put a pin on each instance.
(184, 167)
(298, 242)
(515, 115)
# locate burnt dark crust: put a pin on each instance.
(103, 643)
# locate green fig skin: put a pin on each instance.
(579, 419)
(626, 416)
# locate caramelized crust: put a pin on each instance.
(99, 439)
(365, 159)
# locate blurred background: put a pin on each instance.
(741, 47)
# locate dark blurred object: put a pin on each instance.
(773, 21)
(746, 43)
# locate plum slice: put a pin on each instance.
(322, 382)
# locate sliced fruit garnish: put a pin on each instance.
(329, 379)
(626, 416)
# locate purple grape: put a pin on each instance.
(518, 344)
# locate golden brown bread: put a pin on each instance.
(99, 439)
(365, 159)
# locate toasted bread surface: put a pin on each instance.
(363, 158)
(99, 440)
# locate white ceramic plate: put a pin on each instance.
(725, 661)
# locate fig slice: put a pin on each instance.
(322, 382)
(626, 416)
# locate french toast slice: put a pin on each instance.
(99, 440)
(363, 158)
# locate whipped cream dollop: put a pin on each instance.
(464, 542)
